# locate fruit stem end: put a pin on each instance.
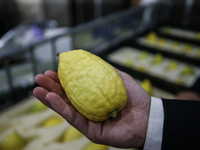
(112, 114)
(58, 54)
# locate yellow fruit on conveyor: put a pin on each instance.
(188, 70)
(179, 82)
(37, 107)
(92, 85)
(143, 55)
(162, 41)
(166, 29)
(142, 69)
(13, 141)
(93, 146)
(53, 121)
(157, 59)
(146, 84)
(128, 63)
(71, 134)
(173, 64)
(175, 45)
(188, 48)
(152, 36)
(198, 36)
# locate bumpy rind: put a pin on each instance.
(91, 84)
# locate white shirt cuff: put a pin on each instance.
(155, 125)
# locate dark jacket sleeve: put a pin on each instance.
(181, 125)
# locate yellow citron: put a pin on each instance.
(188, 48)
(146, 84)
(128, 63)
(142, 69)
(179, 82)
(37, 107)
(175, 45)
(93, 146)
(198, 36)
(143, 55)
(166, 29)
(188, 70)
(53, 121)
(92, 85)
(13, 141)
(71, 134)
(157, 59)
(162, 41)
(152, 36)
(173, 64)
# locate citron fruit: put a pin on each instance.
(188, 70)
(92, 85)
(146, 84)
(93, 146)
(198, 36)
(142, 69)
(37, 107)
(166, 29)
(128, 63)
(13, 141)
(71, 134)
(158, 58)
(53, 121)
(143, 55)
(173, 64)
(188, 48)
(175, 45)
(152, 36)
(162, 41)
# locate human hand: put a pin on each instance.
(127, 130)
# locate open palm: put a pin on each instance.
(127, 130)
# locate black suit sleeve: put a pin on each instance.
(181, 125)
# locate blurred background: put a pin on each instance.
(156, 41)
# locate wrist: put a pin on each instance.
(146, 119)
(143, 125)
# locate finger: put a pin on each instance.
(40, 93)
(68, 112)
(53, 75)
(50, 85)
